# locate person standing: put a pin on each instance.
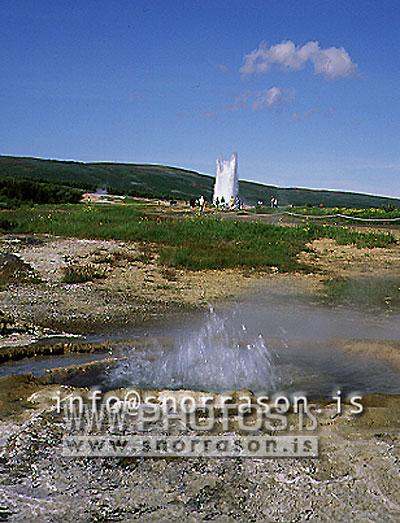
(202, 203)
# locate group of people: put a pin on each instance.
(200, 202)
(274, 202)
(234, 203)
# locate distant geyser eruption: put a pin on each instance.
(226, 183)
(217, 356)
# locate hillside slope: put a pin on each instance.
(170, 182)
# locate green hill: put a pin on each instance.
(170, 182)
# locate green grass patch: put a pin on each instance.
(195, 242)
(373, 213)
(346, 236)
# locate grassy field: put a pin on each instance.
(370, 213)
(171, 182)
(196, 242)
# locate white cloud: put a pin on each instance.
(332, 62)
(269, 98)
(258, 100)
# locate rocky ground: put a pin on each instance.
(332, 260)
(355, 477)
(129, 287)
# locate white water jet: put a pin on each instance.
(218, 356)
(226, 182)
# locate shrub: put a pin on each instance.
(6, 225)
(81, 274)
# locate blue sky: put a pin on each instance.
(307, 92)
